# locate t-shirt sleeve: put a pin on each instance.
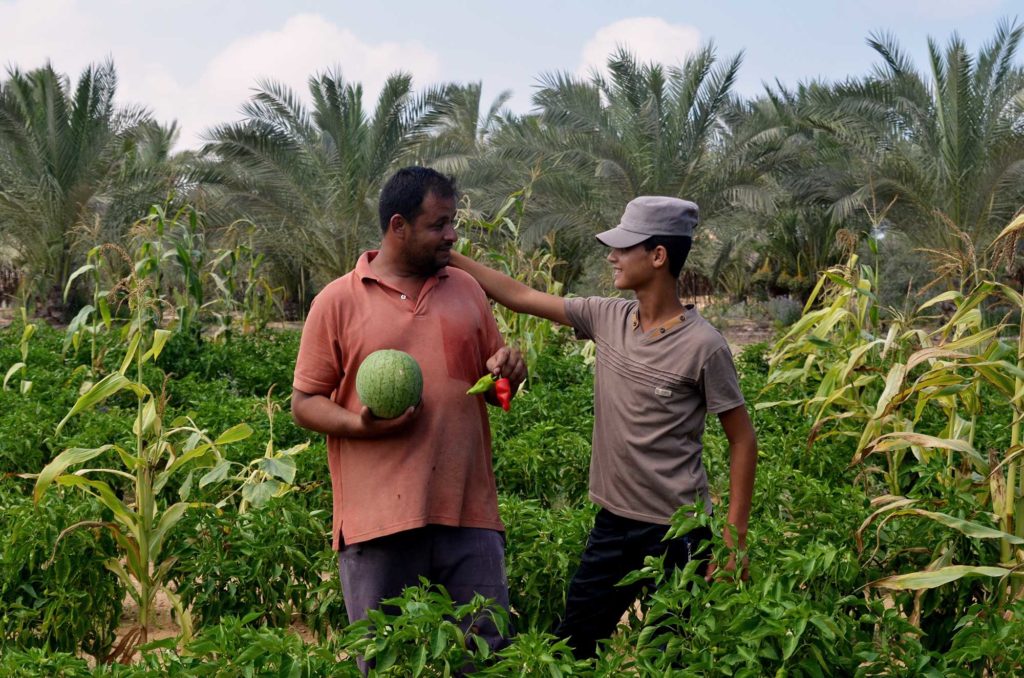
(720, 383)
(582, 314)
(318, 367)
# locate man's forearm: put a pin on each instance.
(321, 414)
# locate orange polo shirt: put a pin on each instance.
(439, 470)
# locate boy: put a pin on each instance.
(660, 368)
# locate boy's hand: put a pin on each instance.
(730, 567)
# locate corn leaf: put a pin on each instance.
(71, 279)
(133, 347)
(60, 463)
(966, 527)
(168, 519)
(935, 578)
(12, 371)
(101, 390)
(160, 338)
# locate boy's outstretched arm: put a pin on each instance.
(742, 465)
(512, 293)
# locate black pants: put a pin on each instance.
(616, 547)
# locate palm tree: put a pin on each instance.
(950, 144)
(645, 129)
(456, 132)
(308, 177)
(813, 161)
(70, 158)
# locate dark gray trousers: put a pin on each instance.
(617, 546)
(464, 560)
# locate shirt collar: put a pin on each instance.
(365, 272)
(665, 327)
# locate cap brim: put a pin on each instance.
(620, 238)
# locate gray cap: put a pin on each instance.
(652, 215)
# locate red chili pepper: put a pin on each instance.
(503, 390)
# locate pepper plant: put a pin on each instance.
(143, 520)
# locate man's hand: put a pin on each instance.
(320, 413)
(508, 362)
(373, 427)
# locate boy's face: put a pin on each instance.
(632, 267)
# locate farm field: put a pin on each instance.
(857, 237)
(260, 582)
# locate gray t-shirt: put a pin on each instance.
(652, 393)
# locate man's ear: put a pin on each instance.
(397, 225)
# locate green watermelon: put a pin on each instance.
(389, 382)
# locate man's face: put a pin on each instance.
(431, 234)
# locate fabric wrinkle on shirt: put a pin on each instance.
(652, 393)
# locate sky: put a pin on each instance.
(197, 62)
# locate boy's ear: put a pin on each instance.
(659, 256)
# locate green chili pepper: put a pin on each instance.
(482, 385)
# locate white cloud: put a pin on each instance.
(306, 44)
(32, 31)
(648, 38)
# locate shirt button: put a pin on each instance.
(662, 330)
(404, 297)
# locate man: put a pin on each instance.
(660, 369)
(413, 496)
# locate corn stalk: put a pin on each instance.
(141, 525)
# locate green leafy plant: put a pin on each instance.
(92, 318)
(263, 478)
(26, 335)
(926, 410)
(141, 524)
(264, 562)
(69, 602)
(542, 551)
(234, 647)
(422, 633)
(502, 247)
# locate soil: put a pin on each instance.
(740, 333)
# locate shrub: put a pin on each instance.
(542, 551)
(72, 604)
(542, 446)
(37, 662)
(234, 647)
(266, 562)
